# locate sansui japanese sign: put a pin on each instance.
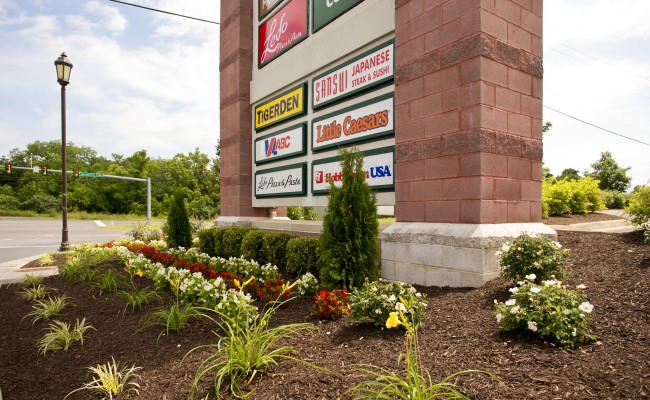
(363, 121)
(289, 104)
(286, 28)
(327, 10)
(283, 144)
(371, 68)
(378, 164)
(282, 181)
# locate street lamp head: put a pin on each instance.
(63, 68)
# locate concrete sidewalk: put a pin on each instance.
(11, 272)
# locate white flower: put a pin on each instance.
(557, 245)
(574, 332)
(535, 289)
(392, 298)
(377, 311)
(515, 310)
(513, 290)
(531, 234)
(400, 307)
(580, 287)
(499, 317)
(505, 247)
(532, 325)
(540, 252)
(511, 302)
(549, 283)
(530, 277)
(586, 307)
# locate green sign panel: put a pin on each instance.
(325, 11)
(91, 174)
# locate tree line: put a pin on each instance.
(195, 173)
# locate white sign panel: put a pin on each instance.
(284, 181)
(363, 121)
(379, 168)
(369, 69)
(281, 144)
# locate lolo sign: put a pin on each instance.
(327, 10)
(378, 164)
(279, 145)
(282, 31)
(360, 73)
(360, 122)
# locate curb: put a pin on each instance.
(12, 272)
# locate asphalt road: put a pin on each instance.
(25, 237)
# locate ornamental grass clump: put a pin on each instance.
(60, 336)
(111, 380)
(413, 382)
(557, 314)
(48, 308)
(374, 301)
(34, 293)
(530, 254)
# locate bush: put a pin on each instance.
(531, 256)
(557, 314)
(42, 203)
(302, 213)
(206, 241)
(374, 301)
(252, 246)
(8, 202)
(331, 305)
(231, 241)
(302, 256)
(567, 197)
(613, 200)
(349, 247)
(639, 208)
(179, 231)
(275, 248)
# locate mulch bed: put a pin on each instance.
(459, 333)
(570, 219)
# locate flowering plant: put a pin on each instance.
(374, 301)
(273, 290)
(307, 284)
(530, 254)
(331, 305)
(237, 306)
(551, 310)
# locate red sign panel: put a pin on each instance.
(282, 31)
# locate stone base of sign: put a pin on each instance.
(441, 254)
(282, 224)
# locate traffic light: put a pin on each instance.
(75, 172)
(43, 170)
(8, 168)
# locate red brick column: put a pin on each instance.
(235, 66)
(468, 95)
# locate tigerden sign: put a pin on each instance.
(378, 164)
(283, 30)
(282, 181)
(363, 121)
(286, 143)
(289, 104)
(369, 69)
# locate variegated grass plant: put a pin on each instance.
(48, 308)
(60, 336)
(111, 380)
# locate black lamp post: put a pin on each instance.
(63, 68)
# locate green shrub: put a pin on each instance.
(206, 241)
(349, 247)
(532, 258)
(550, 310)
(41, 203)
(302, 256)
(8, 202)
(275, 248)
(567, 197)
(302, 213)
(374, 301)
(179, 232)
(232, 240)
(613, 200)
(252, 246)
(639, 207)
(217, 238)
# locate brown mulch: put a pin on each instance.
(570, 219)
(459, 333)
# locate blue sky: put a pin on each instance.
(145, 80)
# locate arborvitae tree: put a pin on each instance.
(179, 231)
(349, 247)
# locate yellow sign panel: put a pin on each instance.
(287, 105)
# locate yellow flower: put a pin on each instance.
(171, 282)
(393, 321)
(236, 282)
(139, 273)
(286, 287)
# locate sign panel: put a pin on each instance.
(363, 121)
(378, 164)
(325, 11)
(265, 7)
(289, 104)
(276, 146)
(282, 31)
(282, 181)
(369, 69)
